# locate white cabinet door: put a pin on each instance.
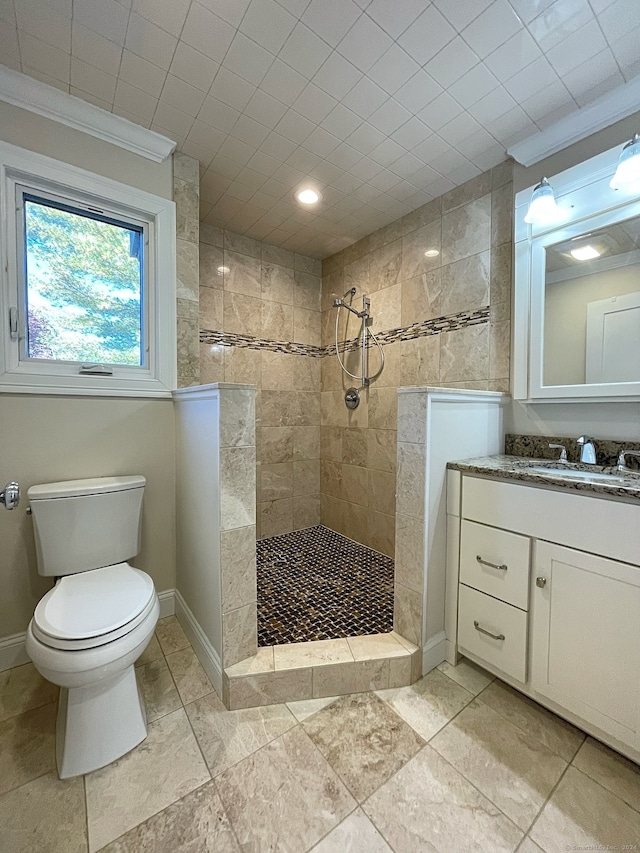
(586, 637)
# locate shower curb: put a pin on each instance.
(255, 681)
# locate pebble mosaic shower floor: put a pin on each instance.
(315, 584)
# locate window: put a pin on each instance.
(89, 289)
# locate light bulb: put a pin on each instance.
(542, 207)
(628, 171)
(308, 196)
(585, 253)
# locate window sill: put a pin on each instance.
(87, 387)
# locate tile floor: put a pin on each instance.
(457, 762)
(315, 584)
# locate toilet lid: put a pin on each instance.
(90, 604)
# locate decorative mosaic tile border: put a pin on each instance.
(451, 323)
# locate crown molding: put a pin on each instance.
(601, 113)
(47, 101)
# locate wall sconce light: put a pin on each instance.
(542, 207)
(628, 171)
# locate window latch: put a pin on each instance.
(95, 370)
(13, 323)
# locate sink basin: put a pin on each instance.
(574, 474)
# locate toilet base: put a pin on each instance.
(98, 723)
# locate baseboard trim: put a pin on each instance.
(167, 599)
(12, 651)
(205, 652)
(433, 652)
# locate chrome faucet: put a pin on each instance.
(563, 451)
(587, 450)
(622, 464)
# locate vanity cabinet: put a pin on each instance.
(547, 588)
(585, 637)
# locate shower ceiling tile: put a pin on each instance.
(482, 74)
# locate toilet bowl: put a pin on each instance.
(88, 631)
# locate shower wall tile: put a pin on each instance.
(409, 552)
(186, 194)
(239, 634)
(466, 230)
(237, 487)
(275, 517)
(306, 511)
(237, 418)
(238, 567)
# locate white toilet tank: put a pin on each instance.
(86, 524)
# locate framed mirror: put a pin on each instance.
(577, 291)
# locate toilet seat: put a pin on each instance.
(93, 608)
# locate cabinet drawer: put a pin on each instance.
(479, 611)
(496, 562)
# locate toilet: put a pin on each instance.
(88, 631)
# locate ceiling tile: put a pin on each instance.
(364, 44)
(268, 24)
(92, 99)
(303, 160)
(44, 57)
(135, 101)
(283, 82)
(475, 84)
(418, 92)
(345, 156)
(296, 7)
(8, 12)
(514, 55)
(45, 22)
(492, 28)
(411, 133)
(262, 162)
(9, 47)
(601, 88)
(389, 117)
(427, 35)
(237, 150)
(454, 60)
(365, 98)
(221, 165)
(207, 137)
(527, 11)
(182, 95)
(430, 147)
(232, 13)
(365, 138)
(393, 69)
(547, 100)
(249, 131)
(440, 111)
(173, 119)
(231, 89)
(337, 76)
(304, 51)
(108, 18)
(531, 79)
(294, 127)
(265, 109)
(92, 80)
(321, 142)
(279, 146)
(149, 41)
(406, 165)
(314, 104)
(460, 14)
(619, 19)
(218, 115)
(193, 67)
(492, 106)
(331, 19)
(387, 152)
(207, 32)
(248, 59)
(507, 126)
(394, 18)
(341, 122)
(142, 74)
(558, 22)
(581, 45)
(626, 54)
(168, 14)
(94, 48)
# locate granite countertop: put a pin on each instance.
(517, 468)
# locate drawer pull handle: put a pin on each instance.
(501, 568)
(477, 626)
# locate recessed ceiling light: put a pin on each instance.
(307, 195)
(223, 270)
(585, 253)
(431, 253)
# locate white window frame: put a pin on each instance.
(22, 170)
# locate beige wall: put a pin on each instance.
(269, 295)
(45, 439)
(28, 130)
(49, 438)
(471, 226)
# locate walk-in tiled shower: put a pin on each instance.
(315, 584)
